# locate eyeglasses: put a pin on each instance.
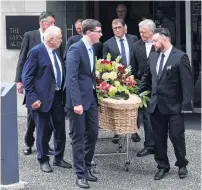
(118, 27)
(98, 31)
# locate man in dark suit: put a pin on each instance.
(170, 79)
(31, 39)
(43, 79)
(140, 53)
(81, 100)
(120, 44)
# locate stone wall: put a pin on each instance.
(9, 57)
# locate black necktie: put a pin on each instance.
(161, 65)
(123, 53)
(58, 79)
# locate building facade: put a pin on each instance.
(183, 18)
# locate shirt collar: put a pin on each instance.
(48, 49)
(41, 33)
(88, 46)
(167, 52)
(118, 39)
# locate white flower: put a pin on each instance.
(97, 74)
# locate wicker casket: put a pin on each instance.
(119, 116)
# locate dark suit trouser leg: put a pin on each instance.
(91, 134)
(29, 135)
(145, 115)
(58, 119)
(160, 132)
(177, 137)
(42, 124)
(84, 137)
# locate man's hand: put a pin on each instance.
(36, 104)
(20, 87)
(78, 109)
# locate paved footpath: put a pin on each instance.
(112, 175)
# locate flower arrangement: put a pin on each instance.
(115, 81)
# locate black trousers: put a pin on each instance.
(174, 126)
(56, 116)
(29, 135)
(144, 116)
(84, 137)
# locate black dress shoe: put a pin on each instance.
(145, 152)
(182, 172)
(160, 174)
(82, 183)
(115, 139)
(62, 163)
(27, 150)
(135, 137)
(90, 176)
(45, 167)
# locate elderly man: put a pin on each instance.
(43, 79)
(169, 76)
(81, 100)
(31, 39)
(140, 53)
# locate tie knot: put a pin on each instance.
(121, 40)
(163, 55)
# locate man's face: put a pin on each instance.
(158, 42)
(118, 29)
(121, 12)
(50, 21)
(56, 41)
(78, 28)
(145, 33)
(95, 35)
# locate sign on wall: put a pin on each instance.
(16, 26)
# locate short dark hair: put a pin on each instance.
(79, 20)
(90, 24)
(45, 15)
(118, 20)
(163, 31)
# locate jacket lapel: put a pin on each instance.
(142, 49)
(48, 58)
(85, 53)
(167, 63)
(153, 66)
(115, 46)
(37, 37)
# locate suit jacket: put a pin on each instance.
(172, 92)
(110, 46)
(38, 78)
(76, 38)
(31, 39)
(139, 58)
(79, 79)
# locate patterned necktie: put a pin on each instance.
(161, 65)
(58, 77)
(123, 53)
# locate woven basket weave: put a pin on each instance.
(119, 116)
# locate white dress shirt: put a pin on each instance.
(41, 35)
(148, 46)
(50, 53)
(166, 53)
(125, 42)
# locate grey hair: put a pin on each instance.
(51, 31)
(148, 23)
